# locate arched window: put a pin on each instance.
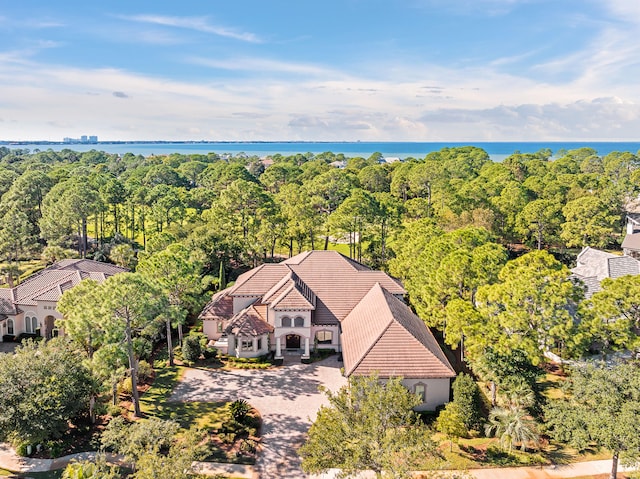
(420, 389)
(30, 324)
(299, 322)
(286, 322)
(10, 329)
(324, 337)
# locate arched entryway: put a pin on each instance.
(293, 341)
(49, 326)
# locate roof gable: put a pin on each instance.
(382, 334)
(248, 323)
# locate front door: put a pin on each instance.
(293, 341)
(49, 325)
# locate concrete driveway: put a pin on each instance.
(287, 398)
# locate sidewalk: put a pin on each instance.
(10, 461)
(568, 471)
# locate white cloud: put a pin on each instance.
(200, 24)
(259, 65)
(416, 103)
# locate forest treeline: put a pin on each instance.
(235, 209)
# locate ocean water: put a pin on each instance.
(496, 150)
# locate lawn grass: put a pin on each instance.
(210, 416)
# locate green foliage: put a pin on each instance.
(43, 386)
(96, 469)
(239, 409)
(191, 349)
(601, 407)
(611, 317)
(466, 395)
(368, 425)
(134, 440)
(530, 307)
(451, 423)
(512, 427)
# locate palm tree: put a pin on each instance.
(517, 392)
(512, 426)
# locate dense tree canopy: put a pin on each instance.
(43, 386)
(602, 408)
(369, 425)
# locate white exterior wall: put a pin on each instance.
(47, 308)
(335, 340)
(210, 328)
(254, 352)
(278, 315)
(437, 392)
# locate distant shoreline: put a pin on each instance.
(497, 151)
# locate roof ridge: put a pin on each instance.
(279, 284)
(373, 343)
(48, 287)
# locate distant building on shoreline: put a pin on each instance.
(83, 140)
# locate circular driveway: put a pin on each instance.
(287, 398)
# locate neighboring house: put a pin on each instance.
(322, 299)
(631, 242)
(594, 265)
(30, 307)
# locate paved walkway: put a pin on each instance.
(287, 398)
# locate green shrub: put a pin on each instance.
(125, 386)
(466, 395)
(21, 449)
(114, 410)
(209, 352)
(239, 409)
(145, 371)
(191, 349)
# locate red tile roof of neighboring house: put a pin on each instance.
(49, 283)
(382, 334)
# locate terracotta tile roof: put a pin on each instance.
(338, 283)
(6, 301)
(292, 299)
(87, 266)
(49, 283)
(248, 323)
(382, 334)
(258, 281)
(220, 306)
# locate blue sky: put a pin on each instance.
(368, 70)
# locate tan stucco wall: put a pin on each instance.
(335, 340)
(437, 392)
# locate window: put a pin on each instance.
(324, 337)
(247, 345)
(219, 326)
(299, 322)
(259, 344)
(421, 390)
(286, 322)
(30, 324)
(10, 326)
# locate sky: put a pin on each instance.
(330, 70)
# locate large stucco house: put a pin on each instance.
(30, 307)
(322, 299)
